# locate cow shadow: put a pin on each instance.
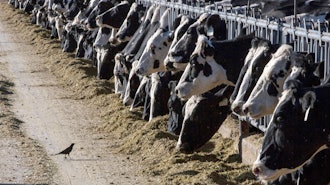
(219, 179)
(207, 147)
(245, 176)
(187, 172)
(166, 135)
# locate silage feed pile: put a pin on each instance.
(215, 163)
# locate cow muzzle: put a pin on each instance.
(263, 173)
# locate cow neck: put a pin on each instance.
(320, 110)
(231, 56)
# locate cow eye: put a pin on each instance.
(271, 89)
(152, 48)
(195, 69)
(279, 119)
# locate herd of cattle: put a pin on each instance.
(189, 70)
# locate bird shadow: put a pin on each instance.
(81, 160)
(91, 159)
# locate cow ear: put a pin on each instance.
(310, 58)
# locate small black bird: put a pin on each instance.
(67, 151)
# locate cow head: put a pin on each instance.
(202, 118)
(202, 68)
(209, 25)
(264, 96)
(102, 37)
(255, 61)
(152, 58)
(185, 22)
(159, 94)
(178, 55)
(114, 17)
(307, 74)
(295, 134)
(121, 73)
(101, 7)
(132, 22)
(133, 84)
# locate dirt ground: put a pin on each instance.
(49, 100)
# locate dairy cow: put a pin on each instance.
(264, 96)
(159, 94)
(141, 93)
(208, 25)
(72, 8)
(101, 7)
(203, 115)
(114, 17)
(255, 61)
(185, 22)
(175, 105)
(123, 62)
(132, 87)
(105, 65)
(154, 53)
(213, 63)
(298, 130)
(131, 23)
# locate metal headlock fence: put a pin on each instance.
(307, 35)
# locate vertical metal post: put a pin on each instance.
(243, 132)
(295, 12)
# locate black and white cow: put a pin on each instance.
(203, 115)
(159, 94)
(185, 22)
(131, 23)
(213, 63)
(85, 45)
(209, 25)
(72, 8)
(156, 49)
(71, 35)
(255, 61)
(175, 105)
(105, 59)
(131, 88)
(77, 29)
(84, 12)
(264, 96)
(101, 7)
(123, 59)
(105, 66)
(141, 93)
(114, 17)
(298, 130)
